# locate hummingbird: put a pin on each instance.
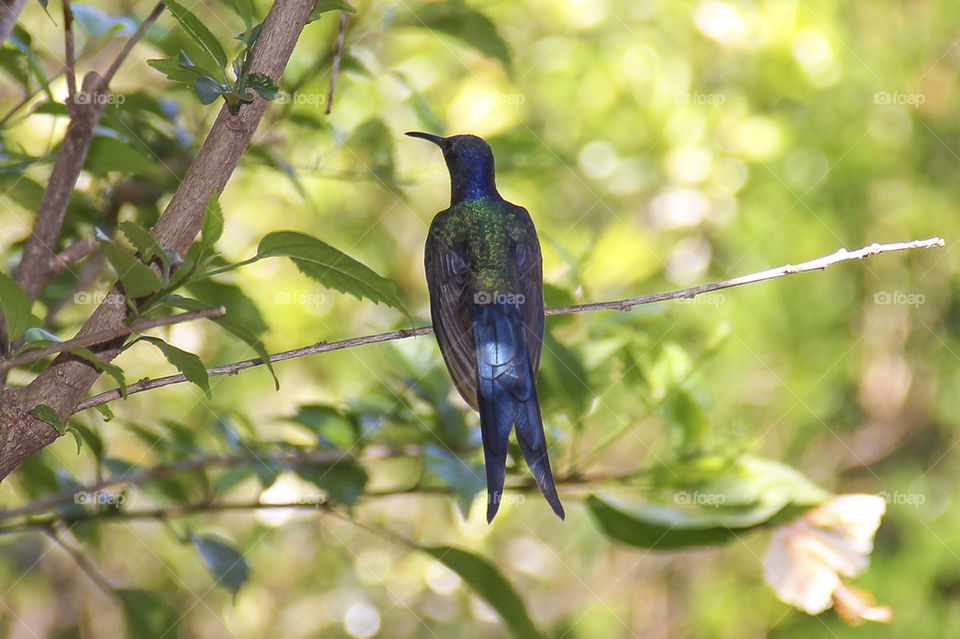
(485, 278)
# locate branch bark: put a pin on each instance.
(818, 264)
(63, 384)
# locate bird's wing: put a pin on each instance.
(447, 268)
(525, 253)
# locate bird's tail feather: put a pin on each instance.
(507, 395)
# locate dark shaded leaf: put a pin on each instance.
(147, 615)
(485, 579)
(325, 6)
(208, 89)
(466, 481)
(225, 563)
(50, 415)
(343, 481)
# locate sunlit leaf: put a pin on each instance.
(187, 363)
(15, 306)
(199, 33)
(137, 278)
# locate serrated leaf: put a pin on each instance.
(225, 563)
(243, 319)
(199, 33)
(137, 278)
(485, 579)
(147, 615)
(105, 412)
(212, 222)
(187, 363)
(325, 6)
(112, 370)
(141, 240)
(323, 263)
(262, 84)
(15, 306)
(49, 414)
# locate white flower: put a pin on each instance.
(809, 555)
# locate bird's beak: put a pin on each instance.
(436, 139)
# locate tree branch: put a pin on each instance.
(818, 264)
(68, 50)
(71, 255)
(63, 384)
(92, 339)
(128, 45)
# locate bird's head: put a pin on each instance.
(470, 162)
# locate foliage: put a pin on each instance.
(656, 145)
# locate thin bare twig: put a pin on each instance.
(71, 255)
(128, 45)
(99, 337)
(281, 458)
(81, 560)
(818, 264)
(336, 60)
(68, 50)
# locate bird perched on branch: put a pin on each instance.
(485, 279)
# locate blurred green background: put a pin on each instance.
(657, 145)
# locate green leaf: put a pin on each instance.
(199, 33)
(94, 21)
(323, 263)
(137, 278)
(141, 240)
(147, 615)
(112, 154)
(262, 84)
(208, 89)
(179, 68)
(112, 370)
(343, 481)
(243, 318)
(458, 20)
(325, 6)
(372, 145)
(50, 415)
(76, 436)
(483, 577)
(15, 306)
(225, 563)
(105, 412)
(90, 438)
(187, 363)
(212, 222)
(687, 420)
(329, 425)
(752, 493)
